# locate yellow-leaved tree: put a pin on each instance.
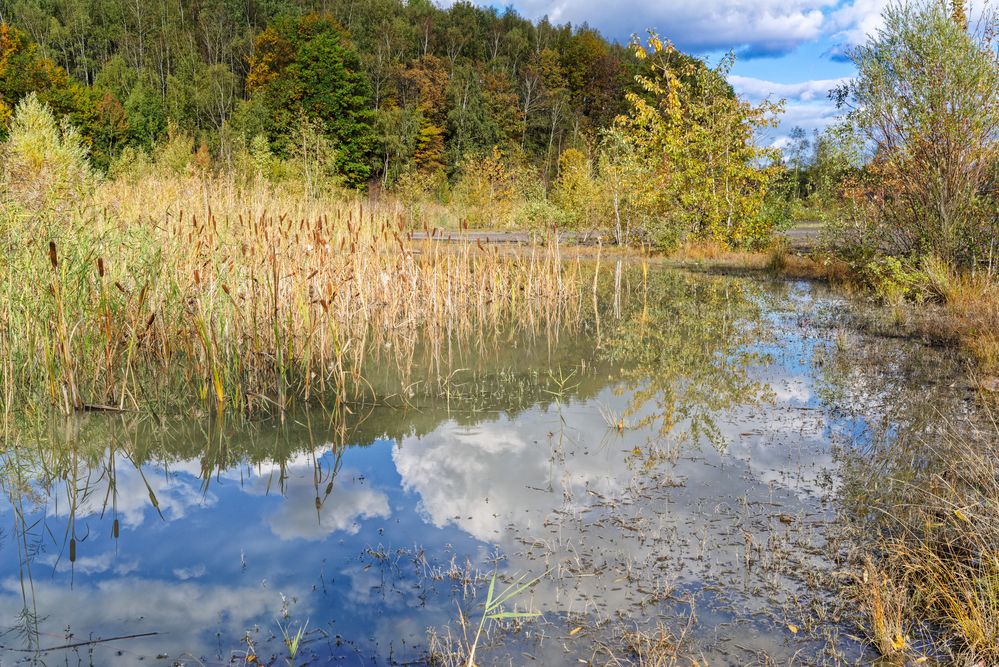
(706, 177)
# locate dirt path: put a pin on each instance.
(503, 237)
(804, 236)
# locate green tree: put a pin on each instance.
(837, 155)
(796, 156)
(24, 71)
(626, 183)
(576, 190)
(399, 135)
(307, 67)
(925, 98)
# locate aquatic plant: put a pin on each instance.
(293, 641)
(448, 651)
(218, 297)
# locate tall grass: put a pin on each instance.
(165, 288)
(971, 302)
(930, 575)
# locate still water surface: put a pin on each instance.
(674, 458)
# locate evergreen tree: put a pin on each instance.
(306, 68)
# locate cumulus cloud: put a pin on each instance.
(807, 103)
(105, 562)
(852, 23)
(805, 91)
(750, 27)
(298, 517)
(462, 476)
(184, 615)
(132, 494)
(757, 28)
(816, 116)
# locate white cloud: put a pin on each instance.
(132, 496)
(761, 26)
(105, 562)
(297, 517)
(184, 615)
(807, 103)
(805, 91)
(185, 573)
(754, 27)
(454, 471)
(852, 23)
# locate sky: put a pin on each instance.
(786, 49)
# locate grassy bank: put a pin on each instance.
(928, 567)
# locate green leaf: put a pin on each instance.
(489, 595)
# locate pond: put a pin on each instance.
(669, 467)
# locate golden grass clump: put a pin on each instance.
(884, 601)
(814, 266)
(936, 559)
(719, 254)
(779, 260)
(971, 303)
(168, 288)
(658, 648)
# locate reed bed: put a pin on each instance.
(176, 291)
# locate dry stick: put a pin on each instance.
(91, 642)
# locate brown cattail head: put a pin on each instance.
(100, 266)
(53, 255)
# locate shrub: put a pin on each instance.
(925, 100)
(892, 280)
(44, 163)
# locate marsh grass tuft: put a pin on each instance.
(658, 647)
(884, 600)
(293, 642)
(933, 567)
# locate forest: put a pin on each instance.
(413, 85)
(509, 122)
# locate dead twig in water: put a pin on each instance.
(90, 642)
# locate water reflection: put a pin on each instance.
(670, 457)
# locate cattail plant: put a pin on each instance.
(168, 292)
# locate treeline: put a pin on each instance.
(476, 115)
(393, 85)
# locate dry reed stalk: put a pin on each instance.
(224, 296)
